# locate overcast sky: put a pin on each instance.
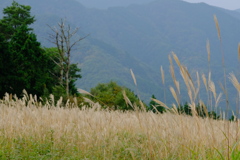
(228, 4)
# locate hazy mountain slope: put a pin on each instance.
(100, 62)
(152, 31)
(237, 10)
(103, 4)
(234, 13)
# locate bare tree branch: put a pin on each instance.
(61, 37)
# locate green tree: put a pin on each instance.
(5, 66)
(15, 16)
(28, 61)
(25, 65)
(186, 109)
(233, 118)
(110, 95)
(73, 77)
(155, 107)
(214, 115)
(24, 62)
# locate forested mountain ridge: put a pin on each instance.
(237, 10)
(141, 37)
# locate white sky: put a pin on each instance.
(227, 4)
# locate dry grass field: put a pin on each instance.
(28, 131)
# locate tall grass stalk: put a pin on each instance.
(163, 82)
(209, 74)
(175, 94)
(135, 82)
(225, 78)
(236, 84)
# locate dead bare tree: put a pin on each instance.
(61, 37)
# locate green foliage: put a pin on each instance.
(110, 95)
(59, 91)
(54, 69)
(21, 55)
(28, 63)
(213, 115)
(186, 109)
(4, 65)
(15, 16)
(233, 118)
(74, 76)
(79, 101)
(24, 64)
(155, 107)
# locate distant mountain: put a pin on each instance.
(237, 10)
(100, 62)
(233, 13)
(140, 37)
(104, 4)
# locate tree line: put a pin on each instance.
(25, 64)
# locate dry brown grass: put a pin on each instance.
(101, 134)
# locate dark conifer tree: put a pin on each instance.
(28, 63)
(24, 63)
(155, 107)
(4, 66)
(15, 16)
